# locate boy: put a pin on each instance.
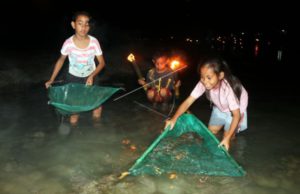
(161, 81)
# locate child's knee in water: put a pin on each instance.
(74, 119)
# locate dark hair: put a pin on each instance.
(220, 65)
(160, 53)
(78, 13)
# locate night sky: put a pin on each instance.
(45, 23)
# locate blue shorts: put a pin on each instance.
(224, 119)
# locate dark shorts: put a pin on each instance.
(74, 79)
(80, 80)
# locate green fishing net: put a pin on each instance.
(190, 148)
(74, 98)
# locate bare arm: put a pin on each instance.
(142, 81)
(236, 116)
(57, 68)
(182, 109)
(100, 66)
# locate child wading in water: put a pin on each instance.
(229, 97)
(162, 80)
(81, 50)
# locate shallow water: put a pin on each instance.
(41, 153)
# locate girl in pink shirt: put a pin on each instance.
(225, 91)
(81, 50)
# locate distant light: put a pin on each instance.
(256, 50)
(279, 55)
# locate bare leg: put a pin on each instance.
(165, 94)
(150, 95)
(74, 119)
(97, 113)
(215, 128)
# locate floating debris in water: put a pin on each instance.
(125, 141)
(173, 176)
(132, 147)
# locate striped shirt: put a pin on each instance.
(81, 61)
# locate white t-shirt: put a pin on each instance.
(81, 61)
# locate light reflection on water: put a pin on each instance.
(42, 154)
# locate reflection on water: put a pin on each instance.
(41, 153)
(64, 129)
(271, 46)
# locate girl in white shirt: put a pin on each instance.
(81, 50)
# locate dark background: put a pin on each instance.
(143, 26)
(45, 23)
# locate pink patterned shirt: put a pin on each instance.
(223, 97)
(81, 61)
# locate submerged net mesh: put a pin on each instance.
(190, 148)
(74, 98)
